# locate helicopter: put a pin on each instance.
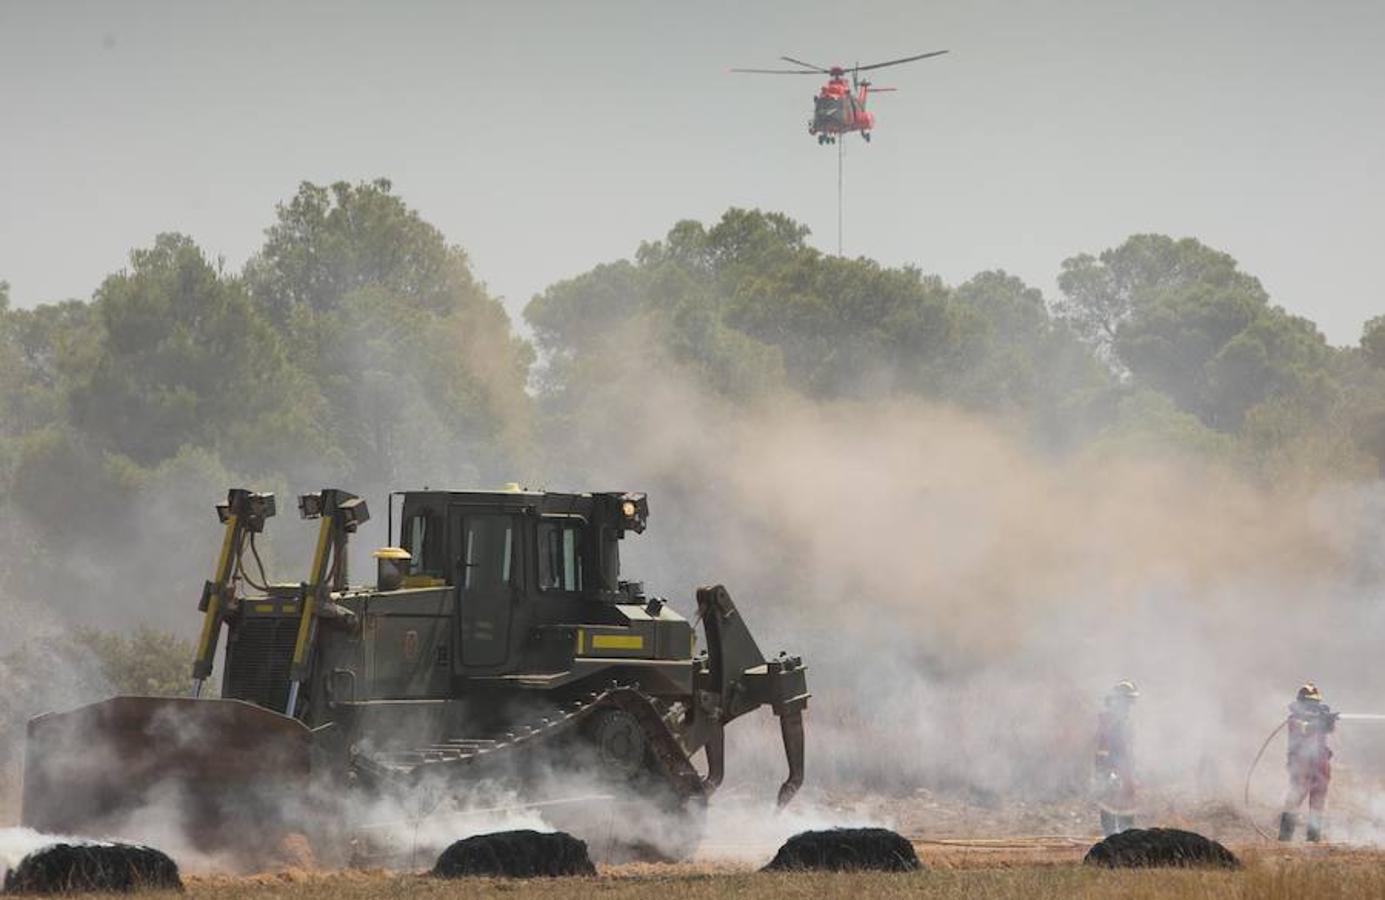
(837, 107)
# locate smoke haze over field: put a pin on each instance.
(963, 601)
(962, 597)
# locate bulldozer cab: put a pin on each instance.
(515, 561)
(572, 540)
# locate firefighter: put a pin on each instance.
(1310, 761)
(1115, 760)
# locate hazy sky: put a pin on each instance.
(546, 137)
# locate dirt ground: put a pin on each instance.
(932, 816)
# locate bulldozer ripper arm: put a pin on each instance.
(791, 727)
(715, 749)
(735, 678)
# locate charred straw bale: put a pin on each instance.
(1160, 847)
(87, 868)
(515, 854)
(846, 850)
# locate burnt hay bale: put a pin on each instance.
(515, 854)
(846, 850)
(1160, 847)
(87, 868)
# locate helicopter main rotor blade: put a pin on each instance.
(814, 66)
(775, 71)
(895, 62)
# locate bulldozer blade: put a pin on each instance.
(211, 768)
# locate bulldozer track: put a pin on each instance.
(451, 757)
(455, 760)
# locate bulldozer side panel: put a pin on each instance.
(409, 643)
(671, 635)
(638, 633)
(661, 678)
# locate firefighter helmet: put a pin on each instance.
(1125, 689)
(1309, 691)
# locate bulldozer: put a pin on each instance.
(500, 653)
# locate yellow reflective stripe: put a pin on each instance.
(617, 642)
(264, 607)
(581, 641)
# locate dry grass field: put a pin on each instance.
(1029, 872)
(1007, 863)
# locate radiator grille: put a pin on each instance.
(258, 658)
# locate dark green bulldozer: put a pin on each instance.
(501, 653)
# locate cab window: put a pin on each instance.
(488, 551)
(560, 556)
(422, 537)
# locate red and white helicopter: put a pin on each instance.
(838, 107)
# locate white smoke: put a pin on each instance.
(17, 843)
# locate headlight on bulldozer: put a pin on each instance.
(634, 511)
(251, 507)
(348, 509)
(310, 506)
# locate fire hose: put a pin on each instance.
(1348, 717)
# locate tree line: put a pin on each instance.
(358, 347)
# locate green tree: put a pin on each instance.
(1219, 351)
(70, 488)
(1180, 317)
(1148, 423)
(145, 661)
(44, 353)
(1101, 293)
(746, 305)
(186, 359)
(749, 305)
(1373, 341)
(329, 241)
(1319, 432)
(422, 373)
(1020, 358)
